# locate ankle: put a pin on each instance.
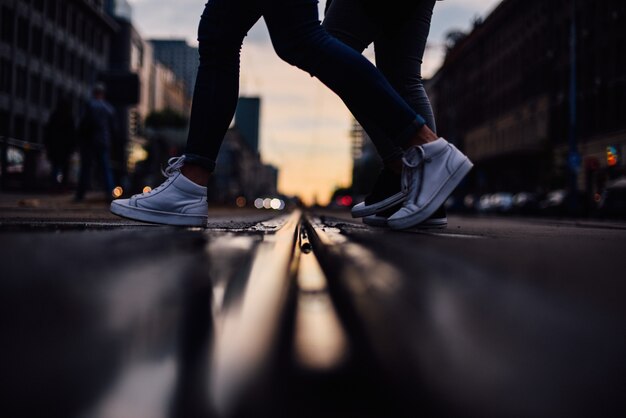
(395, 166)
(423, 136)
(196, 173)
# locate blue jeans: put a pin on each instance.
(298, 39)
(399, 50)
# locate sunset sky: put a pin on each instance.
(304, 126)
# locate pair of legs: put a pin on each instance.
(399, 33)
(299, 40)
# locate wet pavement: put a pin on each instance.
(492, 317)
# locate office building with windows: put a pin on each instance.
(505, 94)
(179, 57)
(48, 48)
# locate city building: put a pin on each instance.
(47, 49)
(240, 172)
(181, 58)
(247, 120)
(366, 163)
(503, 95)
(167, 91)
(127, 81)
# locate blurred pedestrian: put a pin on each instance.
(432, 167)
(60, 141)
(399, 31)
(96, 130)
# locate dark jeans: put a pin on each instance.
(399, 51)
(298, 39)
(90, 154)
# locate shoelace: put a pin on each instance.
(174, 165)
(413, 172)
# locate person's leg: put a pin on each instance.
(431, 168)
(353, 24)
(85, 172)
(299, 40)
(430, 171)
(348, 21)
(223, 26)
(399, 53)
(65, 168)
(182, 198)
(399, 56)
(54, 173)
(104, 162)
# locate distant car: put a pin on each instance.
(469, 203)
(555, 203)
(501, 202)
(613, 200)
(525, 203)
(558, 203)
(484, 204)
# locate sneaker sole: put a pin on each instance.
(378, 206)
(153, 216)
(430, 208)
(433, 223)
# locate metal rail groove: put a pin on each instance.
(449, 339)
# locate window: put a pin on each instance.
(52, 10)
(35, 88)
(88, 35)
(61, 53)
(48, 93)
(6, 76)
(20, 83)
(22, 33)
(4, 123)
(87, 72)
(18, 127)
(33, 130)
(8, 24)
(82, 30)
(70, 63)
(73, 21)
(80, 68)
(38, 5)
(63, 14)
(37, 42)
(49, 45)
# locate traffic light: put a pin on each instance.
(611, 156)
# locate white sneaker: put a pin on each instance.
(386, 193)
(178, 201)
(438, 220)
(430, 174)
(430, 223)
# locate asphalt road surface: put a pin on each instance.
(307, 314)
